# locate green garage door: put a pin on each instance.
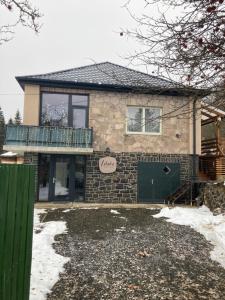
(156, 181)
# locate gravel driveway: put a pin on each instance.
(132, 255)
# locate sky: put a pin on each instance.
(73, 33)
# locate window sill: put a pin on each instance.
(144, 133)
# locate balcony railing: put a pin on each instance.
(23, 135)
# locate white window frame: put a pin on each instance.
(143, 132)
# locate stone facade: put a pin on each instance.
(108, 117)
(213, 195)
(121, 186)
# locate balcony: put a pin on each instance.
(42, 139)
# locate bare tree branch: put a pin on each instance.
(25, 14)
(185, 42)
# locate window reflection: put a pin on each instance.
(80, 100)
(54, 110)
(79, 118)
(44, 169)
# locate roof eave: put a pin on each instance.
(107, 87)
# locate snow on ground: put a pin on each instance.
(46, 264)
(115, 212)
(66, 210)
(88, 208)
(202, 220)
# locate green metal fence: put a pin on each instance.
(16, 227)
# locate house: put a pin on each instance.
(106, 133)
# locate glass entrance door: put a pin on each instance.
(61, 178)
(44, 177)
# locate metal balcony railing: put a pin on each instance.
(44, 136)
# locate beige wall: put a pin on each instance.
(108, 113)
(107, 116)
(31, 105)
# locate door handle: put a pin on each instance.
(54, 180)
(152, 181)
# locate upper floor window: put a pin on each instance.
(144, 120)
(79, 111)
(64, 110)
(54, 109)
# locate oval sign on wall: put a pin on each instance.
(107, 164)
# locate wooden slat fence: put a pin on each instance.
(16, 228)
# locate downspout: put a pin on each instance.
(194, 162)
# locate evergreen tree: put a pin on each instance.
(17, 119)
(10, 122)
(2, 129)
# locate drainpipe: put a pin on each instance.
(194, 162)
(194, 157)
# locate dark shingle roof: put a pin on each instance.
(102, 74)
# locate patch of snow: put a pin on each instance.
(60, 190)
(120, 229)
(203, 221)
(152, 208)
(88, 208)
(9, 154)
(115, 212)
(66, 210)
(43, 192)
(124, 218)
(46, 264)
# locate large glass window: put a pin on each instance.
(79, 106)
(79, 118)
(144, 120)
(64, 110)
(55, 110)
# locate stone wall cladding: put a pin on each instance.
(121, 186)
(108, 116)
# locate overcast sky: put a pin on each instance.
(74, 33)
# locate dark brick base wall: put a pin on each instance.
(121, 186)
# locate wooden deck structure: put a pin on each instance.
(212, 159)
